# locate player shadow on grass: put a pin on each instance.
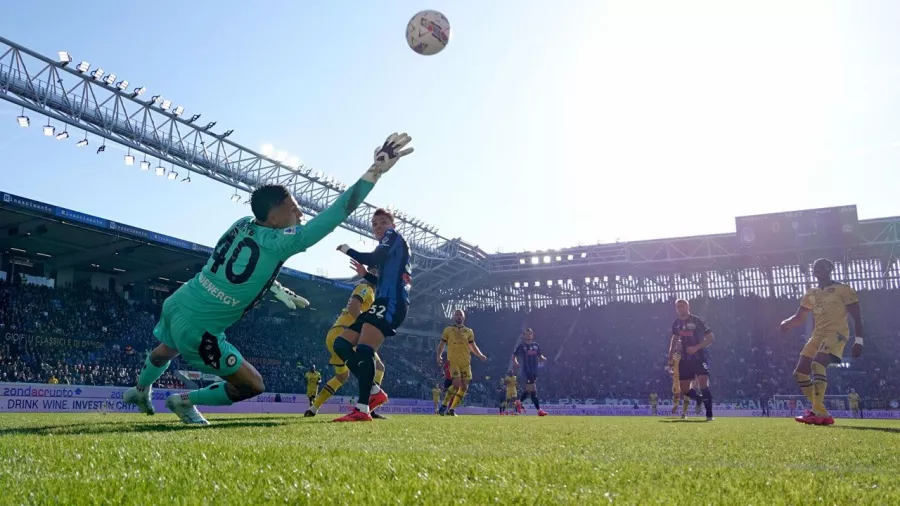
(683, 420)
(79, 429)
(889, 430)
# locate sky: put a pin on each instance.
(538, 127)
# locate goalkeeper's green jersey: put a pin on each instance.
(247, 259)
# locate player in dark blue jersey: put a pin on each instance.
(530, 352)
(359, 342)
(694, 337)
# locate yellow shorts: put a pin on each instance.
(462, 372)
(511, 394)
(831, 343)
(311, 392)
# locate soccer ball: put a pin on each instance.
(428, 32)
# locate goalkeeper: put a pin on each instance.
(241, 270)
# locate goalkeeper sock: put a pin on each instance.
(534, 399)
(820, 382)
(331, 388)
(806, 386)
(149, 374)
(449, 396)
(365, 374)
(213, 395)
(707, 402)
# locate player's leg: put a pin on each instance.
(703, 383)
(819, 369)
(379, 376)
(449, 393)
(465, 375)
(341, 372)
(155, 365)
(803, 370)
(531, 380)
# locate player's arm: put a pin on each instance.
(440, 348)
(799, 318)
(477, 352)
(515, 357)
(363, 272)
(377, 257)
(301, 238)
(673, 342)
(852, 304)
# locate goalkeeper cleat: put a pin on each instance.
(141, 399)
(182, 407)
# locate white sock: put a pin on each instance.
(363, 407)
(375, 389)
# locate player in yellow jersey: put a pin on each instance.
(313, 379)
(830, 302)
(460, 343)
(360, 301)
(654, 400)
(854, 403)
(436, 397)
(511, 383)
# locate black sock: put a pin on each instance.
(537, 405)
(524, 396)
(345, 350)
(707, 401)
(365, 371)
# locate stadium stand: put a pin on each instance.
(82, 312)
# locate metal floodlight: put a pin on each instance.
(49, 130)
(166, 104)
(110, 79)
(235, 198)
(187, 179)
(82, 143)
(194, 118)
(62, 135)
(227, 133)
(101, 149)
(172, 175)
(122, 85)
(145, 165)
(160, 171)
(24, 121)
(138, 91)
(154, 99)
(209, 125)
(97, 74)
(65, 58)
(178, 111)
(129, 159)
(83, 67)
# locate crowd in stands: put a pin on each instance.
(82, 335)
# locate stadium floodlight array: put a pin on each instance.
(82, 98)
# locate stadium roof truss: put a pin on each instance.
(97, 103)
(447, 272)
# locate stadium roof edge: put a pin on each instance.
(10, 200)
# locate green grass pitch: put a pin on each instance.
(94, 459)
